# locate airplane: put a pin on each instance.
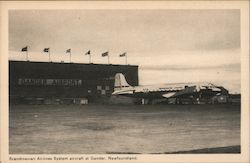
(194, 91)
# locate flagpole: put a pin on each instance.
(49, 56)
(108, 58)
(70, 56)
(89, 58)
(27, 54)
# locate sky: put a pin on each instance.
(170, 46)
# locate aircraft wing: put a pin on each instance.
(168, 95)
(186, 91)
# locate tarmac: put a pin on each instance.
(124, 129)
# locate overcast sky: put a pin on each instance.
(168, 45)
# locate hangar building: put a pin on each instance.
(48, 80)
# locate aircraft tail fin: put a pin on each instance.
(120, 82)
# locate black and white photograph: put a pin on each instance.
(124, 82)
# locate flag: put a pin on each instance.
(87, 53)
(68, 51)
(25, 49)
(123, 54)
(46, 50)
(105, 54)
